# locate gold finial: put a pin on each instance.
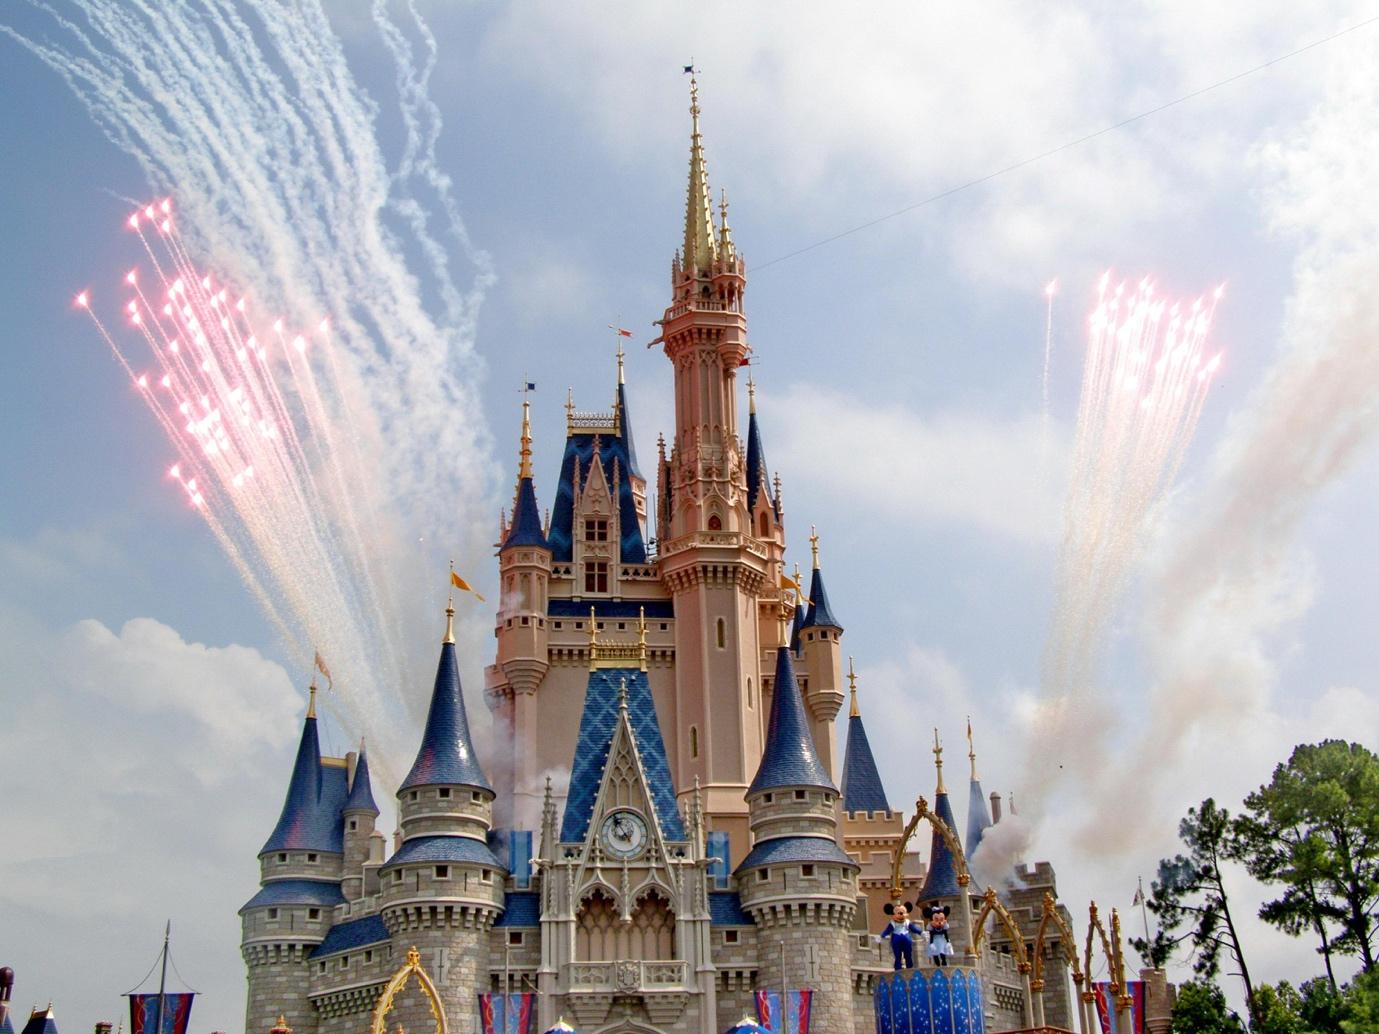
(799, 583)
(814, 545)
(622, 694)
(569, 411)
(723, 206)
(751, 392)
(450, 610)
(617, 332)
(593, 639)
(938, 763)
(524, 466)
(641, 634)
(971, 750)
(311, 698)
(853, 712)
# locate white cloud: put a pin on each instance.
(967, 468)
(141, 772)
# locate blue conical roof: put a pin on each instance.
(756, 464)
(795, 629)
(941, 880)
(978, 818)
(789, 757)
(625, 432)
(41, 1022)
(862, 789)
(361, 793)
(310, 819)
(526, 520)
(447, 755)
(819, 611)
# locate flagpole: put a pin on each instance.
(163, 978)
(1144, 912)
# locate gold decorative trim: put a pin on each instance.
(922, 813)
(397, 983)
(991, 903)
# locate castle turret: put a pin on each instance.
(797, 884)
(363, 842)
(768, 528)
(443, 888)
(862, 789)
(300, 872)
(978, 819)
(946, 879)
(524, 564)
(821, 636)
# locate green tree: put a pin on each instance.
(1278, 1010)
(1189, 899)
(1322, 1007)
(1314, 829)
(1360, 1005)
(1201, 1009)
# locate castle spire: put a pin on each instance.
(306, 822)
(862, 788)
(449, 637)
(525, 529)
(941, 880)
(978, 818)
(361, 793)
(789, 757)
(446, 756)
(938, 764)
(701, 247)
(820, 613)
(756, 454)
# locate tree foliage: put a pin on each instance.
(1201, 1009)
(1314, 830)
(1189, 900)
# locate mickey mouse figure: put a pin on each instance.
(940, 946)
(900, 930)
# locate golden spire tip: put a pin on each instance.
(971, 750)
(450, 610)
(751, 392)
(814, 545)
(938, 763)
(311, 698)
(852, 689)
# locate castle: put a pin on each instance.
(707, 842)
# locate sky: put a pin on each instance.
(471, 194)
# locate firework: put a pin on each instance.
(1145, 378)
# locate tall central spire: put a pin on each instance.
(701, 247)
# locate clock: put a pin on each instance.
(623, 834)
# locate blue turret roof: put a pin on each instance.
(41, 1022)
(789, 757)
(941, 880)
(579, 449)
(444, 849)
(795, 849)
(862, 789)
(978, 818)
(596, 728)
(297, 892)
(795, 629)
(819, 611)
(756, 464)
(311, 819)
(526, 519)
(446, 756)
(361, 793)
(355, 933)
(625, 432)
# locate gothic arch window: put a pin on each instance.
(764, 524)
(721, 634)
(715, 522)
(653, 924)
(694, 741)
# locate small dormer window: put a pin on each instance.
(729, 936)
(313, 913)
(596, 530)
(311, 857)
(806, 870)
(272, 913)
(763, 875)
(354, 824)
(476, 796)
(485, 875)
(442, 872)
(443, 793)
(800, 795)
(282, 857)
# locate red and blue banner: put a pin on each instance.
(506, 1014)
(143, 1013)
(790, 1016)
(1133, 1022)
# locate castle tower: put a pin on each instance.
(524, 567)
(443, 888)
(943, 883)
(300, 870)
(821, 636)
(797, 884)
(768, 527)
(978, 819)
(363, 843)
(710, 559)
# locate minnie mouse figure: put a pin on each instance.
(901, 932)
(940, 946)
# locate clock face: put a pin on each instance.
(624, 834)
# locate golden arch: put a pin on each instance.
(950, 839)
(1115, 965)
(990, 904)
(397, 983)
(1068, 941)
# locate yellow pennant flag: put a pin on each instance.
(464, 586)
(786, 582)
(321, 667)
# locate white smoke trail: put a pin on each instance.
(1145, 378)
(249, 115)
(1231, 577)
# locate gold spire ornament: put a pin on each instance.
(938, 764)
(524, 463)
(971, 750)
(814, 545)
(853, 712)
(751, 393)
(311, 698)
